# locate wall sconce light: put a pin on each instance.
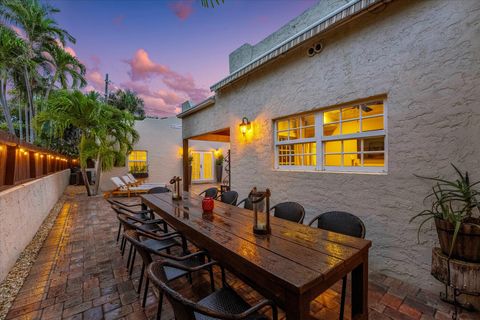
(245, 126)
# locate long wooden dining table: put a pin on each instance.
(292, 266)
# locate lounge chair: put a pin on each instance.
(141, 182)
(124, 189)
(136, 183)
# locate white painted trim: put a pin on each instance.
(319, 139)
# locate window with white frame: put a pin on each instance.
(138, 161)
(349, 138)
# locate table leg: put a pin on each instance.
(297, 307)
(360, 290)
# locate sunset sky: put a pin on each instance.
(167, 51)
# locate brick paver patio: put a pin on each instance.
(80, 274)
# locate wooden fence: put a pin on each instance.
(21, 161)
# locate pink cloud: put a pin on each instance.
(143, 68)
(182, 9)
(95, 79)
(71, 51)
(19, 32)
(157, 102)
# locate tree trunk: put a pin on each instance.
(55, 77)
(98, 172)
(30, 104)
(20, 122)
(27, 127)
(5, 107)
(85, 181)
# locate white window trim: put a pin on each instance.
(319, 139)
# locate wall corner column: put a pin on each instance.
(186, 176)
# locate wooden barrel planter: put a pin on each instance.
(460, 275)
(467, 244)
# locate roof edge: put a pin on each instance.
(328, 22)
(202, 105)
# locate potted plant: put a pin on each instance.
(190, 160)
(219, 167)
(139, 171)
(456, 211)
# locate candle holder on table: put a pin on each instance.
(175, 182)
(261, 220)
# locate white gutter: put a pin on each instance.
(331, 20)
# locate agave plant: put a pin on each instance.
(454, 201)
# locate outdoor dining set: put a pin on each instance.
(290, 265)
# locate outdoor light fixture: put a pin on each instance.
(245, 126)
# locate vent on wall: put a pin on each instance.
(316, 48)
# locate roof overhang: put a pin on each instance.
(202, 105)
(338, 17)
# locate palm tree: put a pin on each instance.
(65, 65)
(211, 3)
(106, 133)
(12, 49)
(128, 100)
(41, 32)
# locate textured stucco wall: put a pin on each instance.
(22, 210)
(162, 139)
(425, 56)
(247, 52)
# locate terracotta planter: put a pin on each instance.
(467, 244)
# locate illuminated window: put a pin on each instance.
(350, 138)
(138, 161)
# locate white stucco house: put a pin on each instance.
(157, 156)
(347, 102)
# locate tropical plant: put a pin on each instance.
(139, 168)
(128, 100)
(219, 160)
(40, 32)
(64, 66)
(451, 200)
(12, 50)
(106, 133)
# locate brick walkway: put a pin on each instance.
(80, 274)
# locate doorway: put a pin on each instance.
(202, 166)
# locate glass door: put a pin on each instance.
(202, 166)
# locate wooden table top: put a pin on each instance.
(295, 256)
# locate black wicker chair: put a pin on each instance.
(210, 192)
(123, 204)
(139, 214)
(344, 223)
(158, 190)
(247, 203)
(291, 211)
(164, 241)
(224, 303)
(229, 197)
(193, 261)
